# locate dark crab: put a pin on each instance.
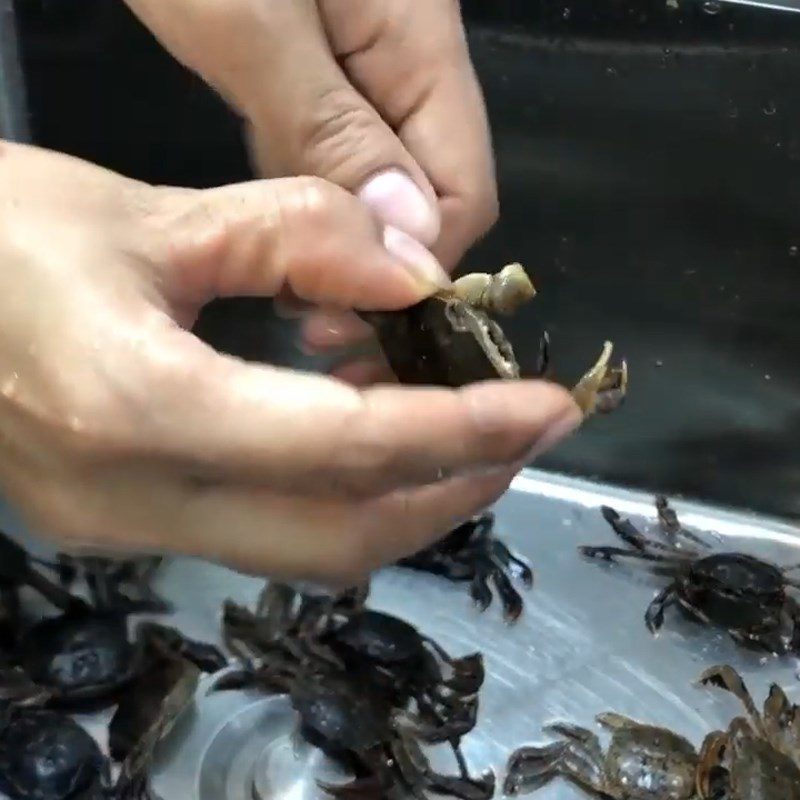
(740, 593)
(353, 721)
(46, 755)
(85, 656)
(367, 688)
(471, 552)
(642, 762)
(85, 659)
(450, 339)
(758, 756)
(344, 634)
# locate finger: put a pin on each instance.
(309, 119)
(326, 330)
(411, 61)
(363, 372)
(260, 532)
(301, 238)
(287, 305)
(304, 432)
(332, 542)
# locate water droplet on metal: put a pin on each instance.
(611, 71)
(566, 13)
(712, 7)
(793, 250)
(770, 108)
(733, 111)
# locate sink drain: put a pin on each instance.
(241, 746)
(257, 755)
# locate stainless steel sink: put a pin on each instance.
(581, 647)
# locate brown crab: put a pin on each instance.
(642, 762)
(450, 339)
(758, 757)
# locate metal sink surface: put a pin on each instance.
(580, 647)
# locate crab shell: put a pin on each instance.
(434, 343)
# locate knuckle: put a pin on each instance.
(485, 210)
(313, 202)
(336, 135)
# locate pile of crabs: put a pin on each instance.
(369, 689)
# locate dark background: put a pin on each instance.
(648, 164)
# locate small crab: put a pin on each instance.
(86, 658)
(740, 593)
(758, 757)
(367, 687)
(642, 762)
(471, 552)
(353, 722)
(450, 339)
(46, 755)
(344, 634)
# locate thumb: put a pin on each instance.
(308, 119)
(302, 235)
(274, 63)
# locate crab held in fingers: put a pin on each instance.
(472, 552)
(451, 339)
(748, 597)
(642, 762)
(758, 756)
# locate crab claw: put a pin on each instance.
(499, 293)
(603, 388)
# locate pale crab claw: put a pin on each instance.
(603, 388)
(496, 293)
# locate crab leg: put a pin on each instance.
(671, 526)
(627, 531)
(530, 768)
(711, 754)
(727, 678)
(654, 616)
(602, 389)
(500, 293)
(782, 721)
(610, 553)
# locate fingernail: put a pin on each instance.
(399, 202)
(557, 430)
(418, 261)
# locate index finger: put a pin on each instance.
(412, 62)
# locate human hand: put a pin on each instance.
(121, 431)
(377, 96)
